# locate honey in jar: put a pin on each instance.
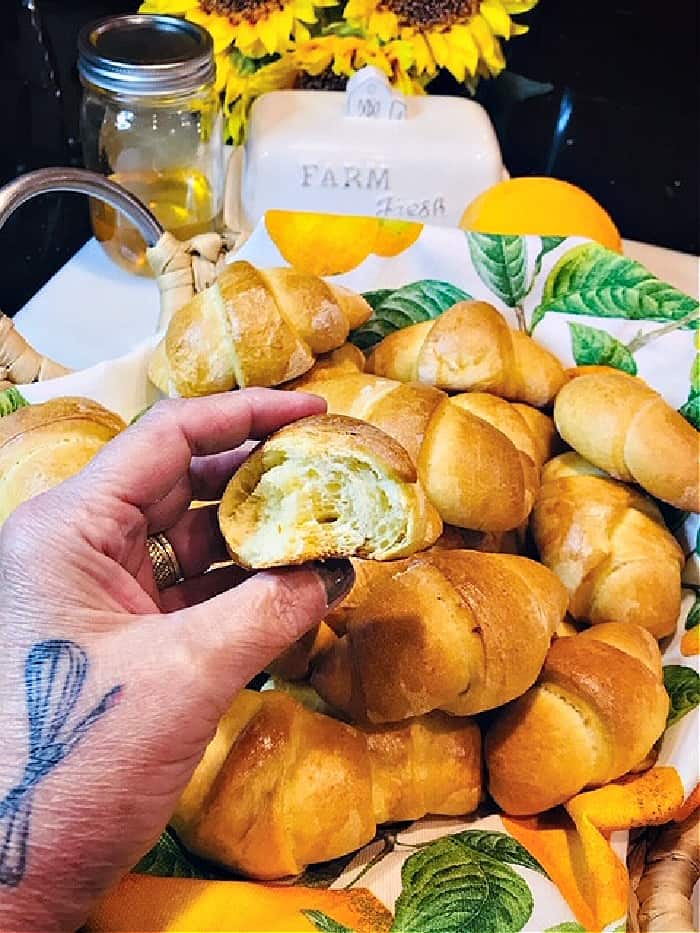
(150, 121)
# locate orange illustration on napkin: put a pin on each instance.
(574, 846)
(329, 244)
(180, 905)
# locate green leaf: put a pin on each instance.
(683, 687)
(452, 887)
(502, 847)
(420, 301)
(695, 375)
(325, 923)
(11, 400)
(592, 346)
(693, 617)
(570, 926)
(376, 297)
(551, 242)
(169, 859)
(592, 280)
(548, 244)
(691, 409)
(501, 264)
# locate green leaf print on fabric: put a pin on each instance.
(591, 346)
(683, 687)
(11, 400)
(501, 264)
(462, 884)
(548, 244)
(570, 926)
(396, 308)
(693, 617)
(325, 923)
(169, 859)
(592, 280)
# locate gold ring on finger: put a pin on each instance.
(166, 567)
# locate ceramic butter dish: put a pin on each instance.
(367, 150)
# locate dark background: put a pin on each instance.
(603, 93)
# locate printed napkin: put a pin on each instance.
(565, 870)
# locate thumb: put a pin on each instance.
(238, 633)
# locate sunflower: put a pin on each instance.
(459, 35)
(346, 54)
(247, 79)
(256, 28)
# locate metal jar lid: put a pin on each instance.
(142, 54)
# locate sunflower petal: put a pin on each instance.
(518, 29)
(219, 28)
(468, 48)
(519, 6)
(173, 7)
(384, 24)
(266, 29)
(359, 10)
(496, 17)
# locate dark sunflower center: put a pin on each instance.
(429, 14)
(236, 10)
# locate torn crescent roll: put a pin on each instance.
(326, 486)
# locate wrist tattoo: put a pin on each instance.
(54, 676)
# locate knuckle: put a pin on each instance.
(287, 603)
(166, 409)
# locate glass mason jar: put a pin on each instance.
(150, 120)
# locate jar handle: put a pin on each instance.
(20, 363)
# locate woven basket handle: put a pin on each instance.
(19, 362)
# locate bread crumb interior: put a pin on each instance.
(333, 505)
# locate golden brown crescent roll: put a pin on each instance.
(253, 327)
(509, 421)
(472, 472)
(344, 361)
(609, 546)
(459, 631)
(296, 661)
(470, 347)
(623, 426)
(281, 787)
(41, 445)
(326, 486)
(370, 573)
(595, 713)
(547, 441)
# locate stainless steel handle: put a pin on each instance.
(28, 186)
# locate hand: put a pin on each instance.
(110, 689)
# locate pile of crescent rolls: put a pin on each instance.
(456, 666)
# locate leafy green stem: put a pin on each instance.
(642, 340)
(389, 844)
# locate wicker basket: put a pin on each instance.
(181, 268)
(664, 863)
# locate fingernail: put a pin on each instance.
(337, 576)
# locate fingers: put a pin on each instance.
(141, 465)
(201, 588)
(237, 633)
(197, 540)
(165, 512)
(209, 476)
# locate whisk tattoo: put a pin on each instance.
(54, 676)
